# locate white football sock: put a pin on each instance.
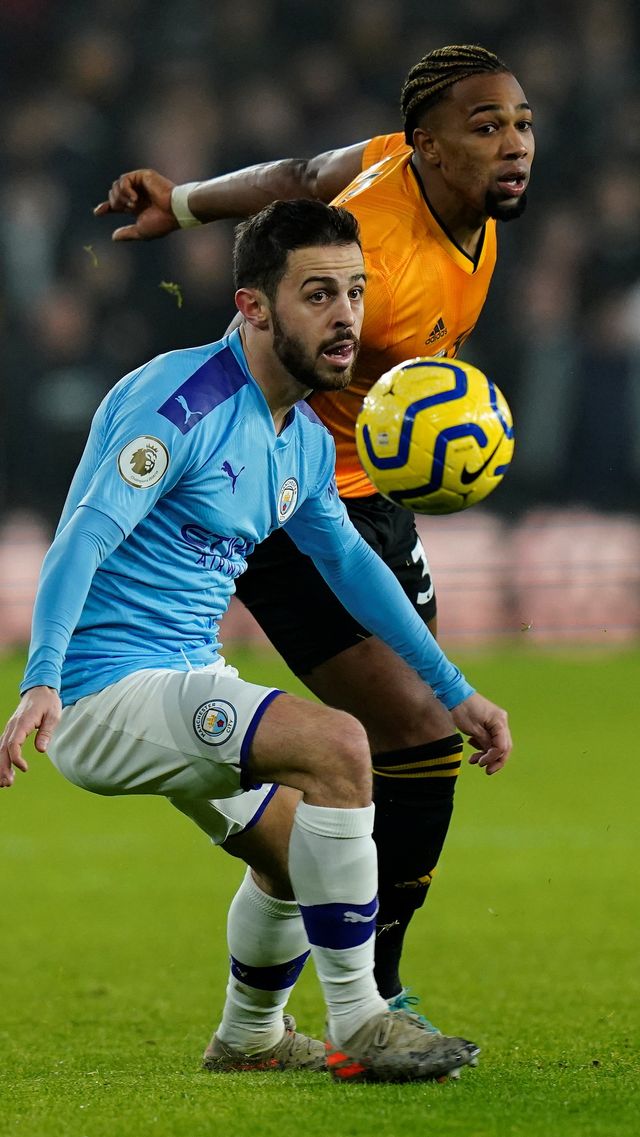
(268, 947)
(333, 870)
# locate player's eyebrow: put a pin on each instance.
(495, 107)
(331, 279)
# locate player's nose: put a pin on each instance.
(514, 144)
(344, 314)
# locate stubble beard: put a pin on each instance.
(500, 211)
(295, 358)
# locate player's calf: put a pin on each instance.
(413, 791)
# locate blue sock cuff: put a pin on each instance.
(278, 977)
(340, 925)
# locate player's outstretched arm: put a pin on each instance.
(149, 198)
(39, 710)
(487, 728)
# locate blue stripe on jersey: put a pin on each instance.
(212, 384)
(340, 925)
(276, 978)
(304, 409)
(245, 780)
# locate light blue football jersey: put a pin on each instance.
(183, 456)
(182, 475)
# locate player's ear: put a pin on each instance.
(252, 304)
(425, 144)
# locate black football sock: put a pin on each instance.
(413, 794)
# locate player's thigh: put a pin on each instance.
(392, 532)
(367, 678)
(396, 707)
(414, 574)
(318, 750)
(176, 734)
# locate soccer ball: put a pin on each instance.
(435, 435)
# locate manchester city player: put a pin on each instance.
(191, 460)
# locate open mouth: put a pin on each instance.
(340, 354)
(513, 185)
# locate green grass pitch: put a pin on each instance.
(114, 962)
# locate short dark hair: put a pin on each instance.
(431, 77)
(264, 242)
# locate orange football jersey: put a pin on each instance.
(424, 294)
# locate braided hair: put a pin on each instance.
(430, 78)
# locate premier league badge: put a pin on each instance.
(287, 499)
(215, 722)
(143, 462)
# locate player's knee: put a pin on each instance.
(351, 745)
(344, 768)
(420, 718)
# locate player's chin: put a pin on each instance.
(333, 378)
(506, 208)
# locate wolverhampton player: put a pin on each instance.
(427, 202)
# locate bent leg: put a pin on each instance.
(324, 754)
(405, 723)
(332, 859)
(268, 948)
(319, 751)
(266, 937)
(416, 760)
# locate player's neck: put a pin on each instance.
(463, 225)
(279, 388)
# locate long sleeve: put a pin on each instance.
(67, 572)
(370, 591)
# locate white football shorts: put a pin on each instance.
(183, 735)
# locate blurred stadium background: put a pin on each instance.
(89, 90)
(114, 926)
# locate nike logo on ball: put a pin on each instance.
(467, 477)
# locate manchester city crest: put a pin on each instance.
(214, 722)
(287, 499)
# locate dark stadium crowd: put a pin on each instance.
(90, 90)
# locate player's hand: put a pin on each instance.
(487, 728)
(39, 710)
(147, 196)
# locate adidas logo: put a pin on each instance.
(438, 332)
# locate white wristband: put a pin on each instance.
(180, 205)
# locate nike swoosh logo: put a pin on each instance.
(467, 477)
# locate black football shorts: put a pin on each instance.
(300, 614)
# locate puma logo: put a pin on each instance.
(227, 469)
(357, 918)
(188, 413)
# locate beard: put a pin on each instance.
(499, 209)
(305, 367)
